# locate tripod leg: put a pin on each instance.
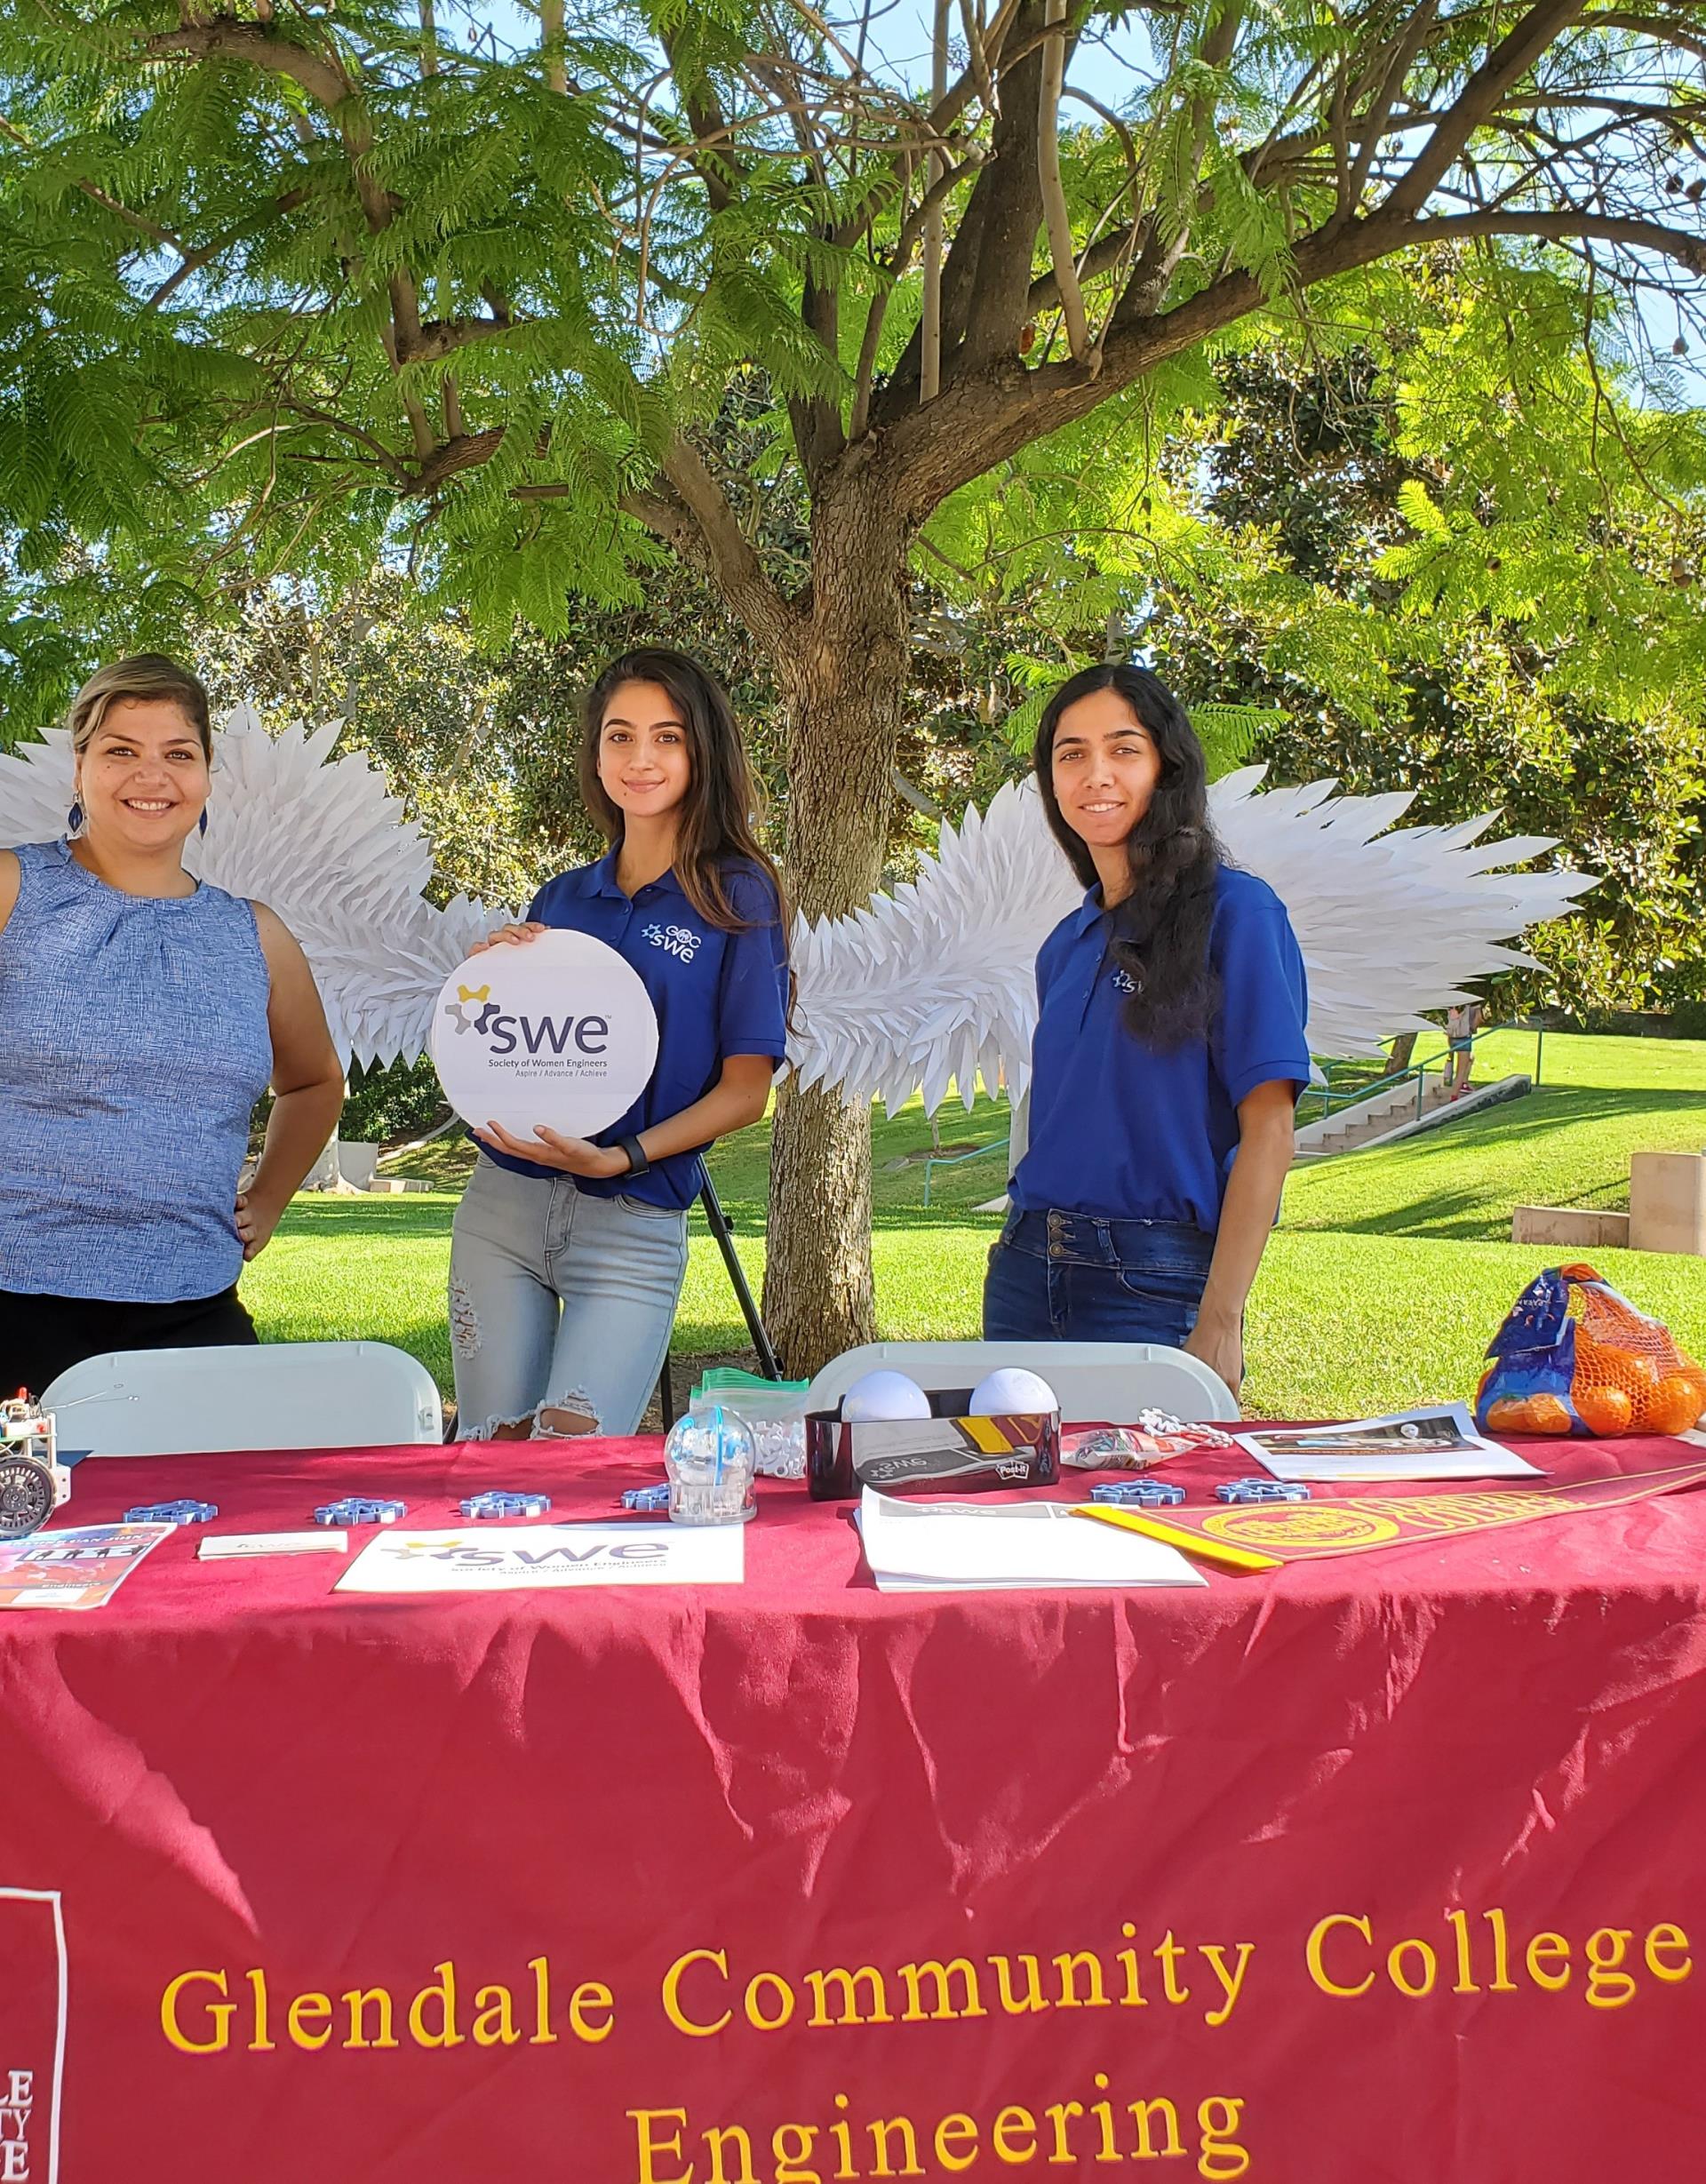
(667, 1394)
(718, 1223)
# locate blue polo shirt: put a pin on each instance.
(716, 993)
(1123, 1131)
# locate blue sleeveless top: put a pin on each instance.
(133, 1045)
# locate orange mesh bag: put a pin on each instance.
(1574, 1357)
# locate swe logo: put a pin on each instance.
(679, 940)
(504, 1031)
(1124, 983)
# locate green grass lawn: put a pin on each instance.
(1386, 1280)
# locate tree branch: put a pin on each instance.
(1511, 59)
(900, 262)
(1636, 235)
(140, 221)
(730, 559)
(1374, 126)
(980, 422)
(1057, 217)
(326, 81)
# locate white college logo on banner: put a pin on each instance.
(557, 1030)
(32, 2033)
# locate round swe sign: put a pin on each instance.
(557, 1030)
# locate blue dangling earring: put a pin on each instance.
(73, 818)
(202, 823)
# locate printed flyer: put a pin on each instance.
(82, 1567)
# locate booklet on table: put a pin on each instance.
(950, 1546)
(81, 1567)
(1436, 1443)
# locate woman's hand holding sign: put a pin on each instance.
(575, 1156)
(509, 935)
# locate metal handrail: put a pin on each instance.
(1354, 1097)
(953, 1159)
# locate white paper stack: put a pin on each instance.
(942, 1546)
(225, 1546)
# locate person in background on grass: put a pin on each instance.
(567, 1255)
(142, 1015)
(1169, 1054)
(1461, 1024)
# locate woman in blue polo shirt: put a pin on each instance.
(567, 1255)
(1168, 1055)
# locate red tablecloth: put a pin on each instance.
(1384, 1869)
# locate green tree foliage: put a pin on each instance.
(1367, 486)
(302, 292)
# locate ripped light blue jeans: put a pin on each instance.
(561, 1305)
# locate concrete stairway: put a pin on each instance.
(1347, 1127)
(1392, 1113)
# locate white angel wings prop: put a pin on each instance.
(321, 841)
(935, 983)
(931, 985)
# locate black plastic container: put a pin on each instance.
(950, 1452)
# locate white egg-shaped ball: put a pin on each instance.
(883, 1394)
(1010, 1391)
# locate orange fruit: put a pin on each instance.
(1528, 1414)
(1548, 1414)
(1605, 1411)
(1673, 1406)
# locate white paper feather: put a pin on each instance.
(937, 981)
(930, 987)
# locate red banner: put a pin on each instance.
(1356, 1872)
(32, 2035)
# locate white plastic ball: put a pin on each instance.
(883, 1394)
(1010, 1391)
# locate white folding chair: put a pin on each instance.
(1093, 1379)
(275, 1395)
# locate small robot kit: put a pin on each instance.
(33, 1481)
(933, 1440)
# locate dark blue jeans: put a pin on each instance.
(1059, 1277)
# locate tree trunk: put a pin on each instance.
(842, 688)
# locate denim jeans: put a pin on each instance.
(561, 1303)
(1060, 1277)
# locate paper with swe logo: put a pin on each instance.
(564, 1557)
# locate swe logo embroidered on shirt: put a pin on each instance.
(680, 940)
(1124, 983)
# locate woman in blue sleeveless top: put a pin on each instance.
(141, 1018)
(1169, 1049)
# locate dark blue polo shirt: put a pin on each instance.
(1122, 1131)
(716, 993)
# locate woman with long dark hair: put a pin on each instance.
(568, 1253)
(1169, 1049)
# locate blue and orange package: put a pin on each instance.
(1574, 1357)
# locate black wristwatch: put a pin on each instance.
(638, 1163)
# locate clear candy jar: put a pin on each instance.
(711, 1461)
